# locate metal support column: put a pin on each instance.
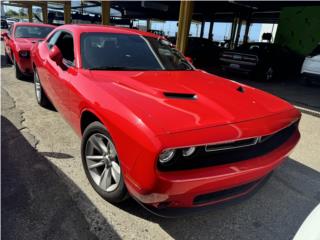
(67, 12)
(246, 32)
(30, 13)
(233, 31)
(210, 30)
(105, 14)
(236, 42)
(202, 29)
(185, 17)
(45, 12)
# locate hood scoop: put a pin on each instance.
(241, 89)
(186, 96)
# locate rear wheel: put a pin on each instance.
(41, 96)
(101, 163)
(19, 74)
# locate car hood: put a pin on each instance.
(186, 100)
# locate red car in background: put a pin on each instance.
(18, 42)
(154, 126)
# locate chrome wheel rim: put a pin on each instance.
(37, 86)
(102, 162)
(269, 73)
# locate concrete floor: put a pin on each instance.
(35, 138)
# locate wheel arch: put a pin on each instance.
(88, 117)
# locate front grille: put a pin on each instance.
(224, 194)
(202, 158)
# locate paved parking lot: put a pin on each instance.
(45, 194)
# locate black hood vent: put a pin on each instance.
(188, 96)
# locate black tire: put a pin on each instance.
(120, 193)
(19, 74)
(41, 96)
(8, 60)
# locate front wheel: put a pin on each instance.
(101, 163)
(19, 74)
(41, 96)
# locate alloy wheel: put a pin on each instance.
(37, 86)
(102, 162)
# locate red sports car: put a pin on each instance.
(18, 42)
(154, 126)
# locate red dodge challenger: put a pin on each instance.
(152, 125)
(18, 42)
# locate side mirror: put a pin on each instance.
(56, 55)
(4, 34)
(189, 59)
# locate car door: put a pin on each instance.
(59, 76)
(44, 67)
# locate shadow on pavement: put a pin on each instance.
(35, 201)
(275, 211)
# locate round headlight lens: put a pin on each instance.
(166, 156)
(186, 152)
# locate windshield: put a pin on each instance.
(109, 51)
(32, 31)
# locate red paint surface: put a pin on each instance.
(142, 122)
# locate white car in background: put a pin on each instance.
(310, 71)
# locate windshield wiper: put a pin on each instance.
(114, 68)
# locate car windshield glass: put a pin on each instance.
(32, 31)
(110, 51)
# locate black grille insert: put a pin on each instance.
(201, 158)
(216, 196)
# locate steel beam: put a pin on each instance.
(185, 18)
(105, 12)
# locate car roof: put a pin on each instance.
(81, 28)
(33, 24)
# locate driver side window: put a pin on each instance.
(64, 41)
(53, 39)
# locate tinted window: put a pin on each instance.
(32, 31)
(65, 44)
(129, 52)
(53, 39)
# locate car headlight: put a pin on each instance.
(24, 54)
(186, 152)
(166, 156)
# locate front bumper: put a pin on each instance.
(205, 186)
(25, 65)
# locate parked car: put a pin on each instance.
(11, 21)
(310, 71)
(154, 126)
(4, 27)
(203, 52)
(263, 61)
(18, 42)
